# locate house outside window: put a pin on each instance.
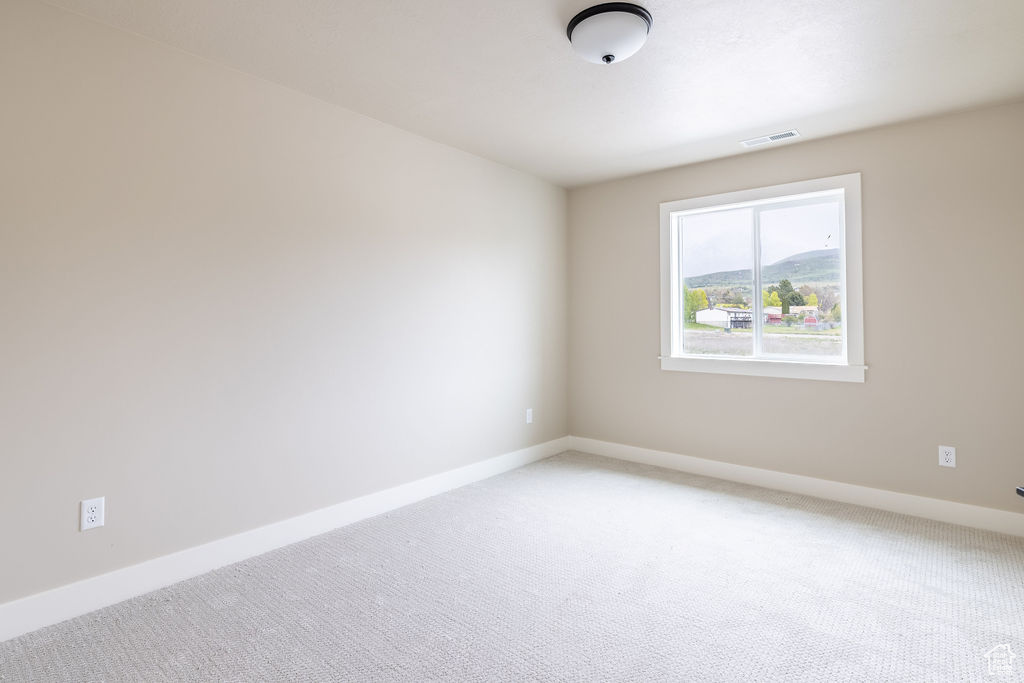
(765, 281)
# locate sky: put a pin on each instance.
(723, 240)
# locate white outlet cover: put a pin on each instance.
(947, 456)
(93, 513)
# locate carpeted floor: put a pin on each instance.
(576, 568)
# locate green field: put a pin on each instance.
(800, 329)
(770, 329)
(701, 326)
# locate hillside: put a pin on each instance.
(821, 265)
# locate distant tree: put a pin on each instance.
(738, 299)
(827, 299)
(693, 300)
(701, 299)
(836, 313)
(773, 299)
(789, 296)
(812, 299)
(805, 290)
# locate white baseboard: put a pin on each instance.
(59, 604)
(975, 516)
(65, 602)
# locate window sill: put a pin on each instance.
(766, 368)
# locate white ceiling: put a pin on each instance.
(499, 79)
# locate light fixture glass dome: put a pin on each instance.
(610, 32)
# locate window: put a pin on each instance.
(765, 282)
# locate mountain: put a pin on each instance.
(821, 265)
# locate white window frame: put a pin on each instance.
(850, 368)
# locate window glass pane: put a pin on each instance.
(801, 280)
(717, 262)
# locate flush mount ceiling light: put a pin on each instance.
(610, 32)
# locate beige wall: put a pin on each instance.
(943, 238)
(225, 303)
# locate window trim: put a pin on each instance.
(853, 369)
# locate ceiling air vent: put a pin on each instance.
(768, 139)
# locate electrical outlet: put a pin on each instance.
(93, 513)
(947, 456)
(529, 416)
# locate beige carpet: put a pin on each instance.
(577, 568)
